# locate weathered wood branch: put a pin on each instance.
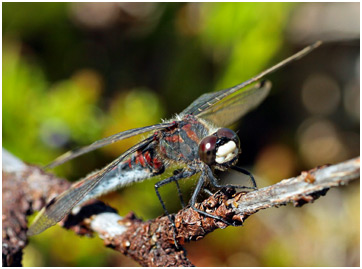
(151, 242)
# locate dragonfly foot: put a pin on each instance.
(172, 220)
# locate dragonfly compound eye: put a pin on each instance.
(221, 148)
(225, 133)
(207, 149)
(228, 145)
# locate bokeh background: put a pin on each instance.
(76, 72)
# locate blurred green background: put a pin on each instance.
(77, 72)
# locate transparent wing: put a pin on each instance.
(211, 102)
(232, 107)
(106, 141)
(60, 206)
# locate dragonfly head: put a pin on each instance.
(220, 149)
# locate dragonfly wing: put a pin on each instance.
(206, 102)
(231, 108)
(106, 141)
(60, 206)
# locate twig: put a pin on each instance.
(151, 242)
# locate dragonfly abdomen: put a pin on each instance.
(140, 166)
(145, 159)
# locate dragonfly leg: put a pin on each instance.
(178, 188)
(246, 172)
(174, 178)
(207, 191)
(199, 185)
(214, 181)
(180, 194)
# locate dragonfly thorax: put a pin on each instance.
(221, 149)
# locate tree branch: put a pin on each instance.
(151, 242)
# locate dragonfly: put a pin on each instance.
(198, 138)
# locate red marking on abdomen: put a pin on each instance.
(140, 159)
(147, 157)
(146, 160)
(191, 134)
(156, 164)
(153, 162)
(129, 163)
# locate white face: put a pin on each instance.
(226, 152)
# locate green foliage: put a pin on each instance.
(244, 31)
(34, 110)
